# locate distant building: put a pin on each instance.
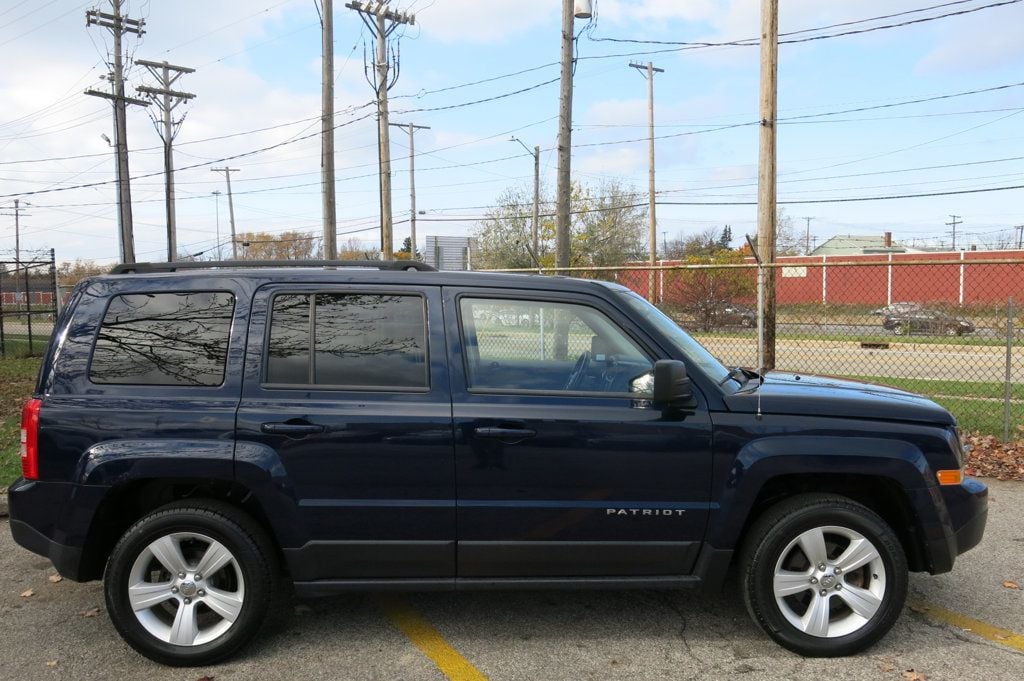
(860, 245)
(449, 252)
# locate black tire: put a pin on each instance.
(952, 330)
(771, 542)
(254, 559)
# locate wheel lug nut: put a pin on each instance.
(814, 580)
(822, 593)
(181, 575)
(189, 600)
(202, 592)
(821, 566)
(839, 587)
(838, 570)
(198, 576)
(174, 589)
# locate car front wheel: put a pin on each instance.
(824, 576)
(190, 583)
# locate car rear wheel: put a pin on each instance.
(190, 583)
(952, 330)
(823, 575)
(900, 329)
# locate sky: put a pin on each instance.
(478, 73)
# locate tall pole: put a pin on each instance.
(118, 26)
(231, 207)
(535, 227)
(954, 221)
(216, 203)
(767, 176)
(382, 21)
(807, 236)
(167, 100)
(411, 129)
(387, 245)
(327, 136)
(652, 232)
(563, 187)
(17, 234)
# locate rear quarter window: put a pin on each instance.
(164, 339)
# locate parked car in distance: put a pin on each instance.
(731, 314)
(896, 309)
(207, 437)
(932, 322)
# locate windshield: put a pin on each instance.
(691, 349)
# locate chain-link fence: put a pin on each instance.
(29, 303)
(948, 326)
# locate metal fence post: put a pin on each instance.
(28, 310)
(1008, 392)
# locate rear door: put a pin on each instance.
(562, 471)
(346, 388)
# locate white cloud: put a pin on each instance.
(482, 21)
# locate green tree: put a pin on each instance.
(608, 227)
(700, 292)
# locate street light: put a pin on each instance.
(535, 152)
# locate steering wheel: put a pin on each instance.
(579, 371)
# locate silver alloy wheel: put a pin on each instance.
(829, 581)
(186, 589)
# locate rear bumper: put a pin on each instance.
(53, 519)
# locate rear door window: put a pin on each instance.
(371, 341)
(164, 339)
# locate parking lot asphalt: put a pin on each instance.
(963, 625)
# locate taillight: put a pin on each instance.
(30, 439)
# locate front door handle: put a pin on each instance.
(515, 434)
(292, 429)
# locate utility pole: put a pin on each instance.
(535, 226)
(231, 207)
(954, 221)
(17, 244)
(327, 134)
(118, 26)
(766, 182)
(563, 189)
(411, 129)
(649, 70)
(216, 203)
(167, 100)
(807, 237)
(382, 22)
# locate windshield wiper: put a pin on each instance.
(747, 374)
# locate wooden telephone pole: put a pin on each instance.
(649, 70)
(766, 178)
(382, 22)
(118, 26)
(167, 100)
(327, 134)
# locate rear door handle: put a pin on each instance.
(292, 429)
(505, 433)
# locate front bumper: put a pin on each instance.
(53, 520)
(958, 523)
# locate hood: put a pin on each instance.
(799, 394)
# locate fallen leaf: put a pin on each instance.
(51, 663)
(55, 578)
(911, 675)
(91, 612)
(919, 609)
(887, 665)
(1009, 584)
(27, 593)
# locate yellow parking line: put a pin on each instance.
(429, 641)
(986, 631)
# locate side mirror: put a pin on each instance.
(671, 384)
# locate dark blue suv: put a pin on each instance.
(201, 435)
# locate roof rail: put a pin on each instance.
(152, 267)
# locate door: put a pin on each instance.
(561, 470)
(341, 390)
